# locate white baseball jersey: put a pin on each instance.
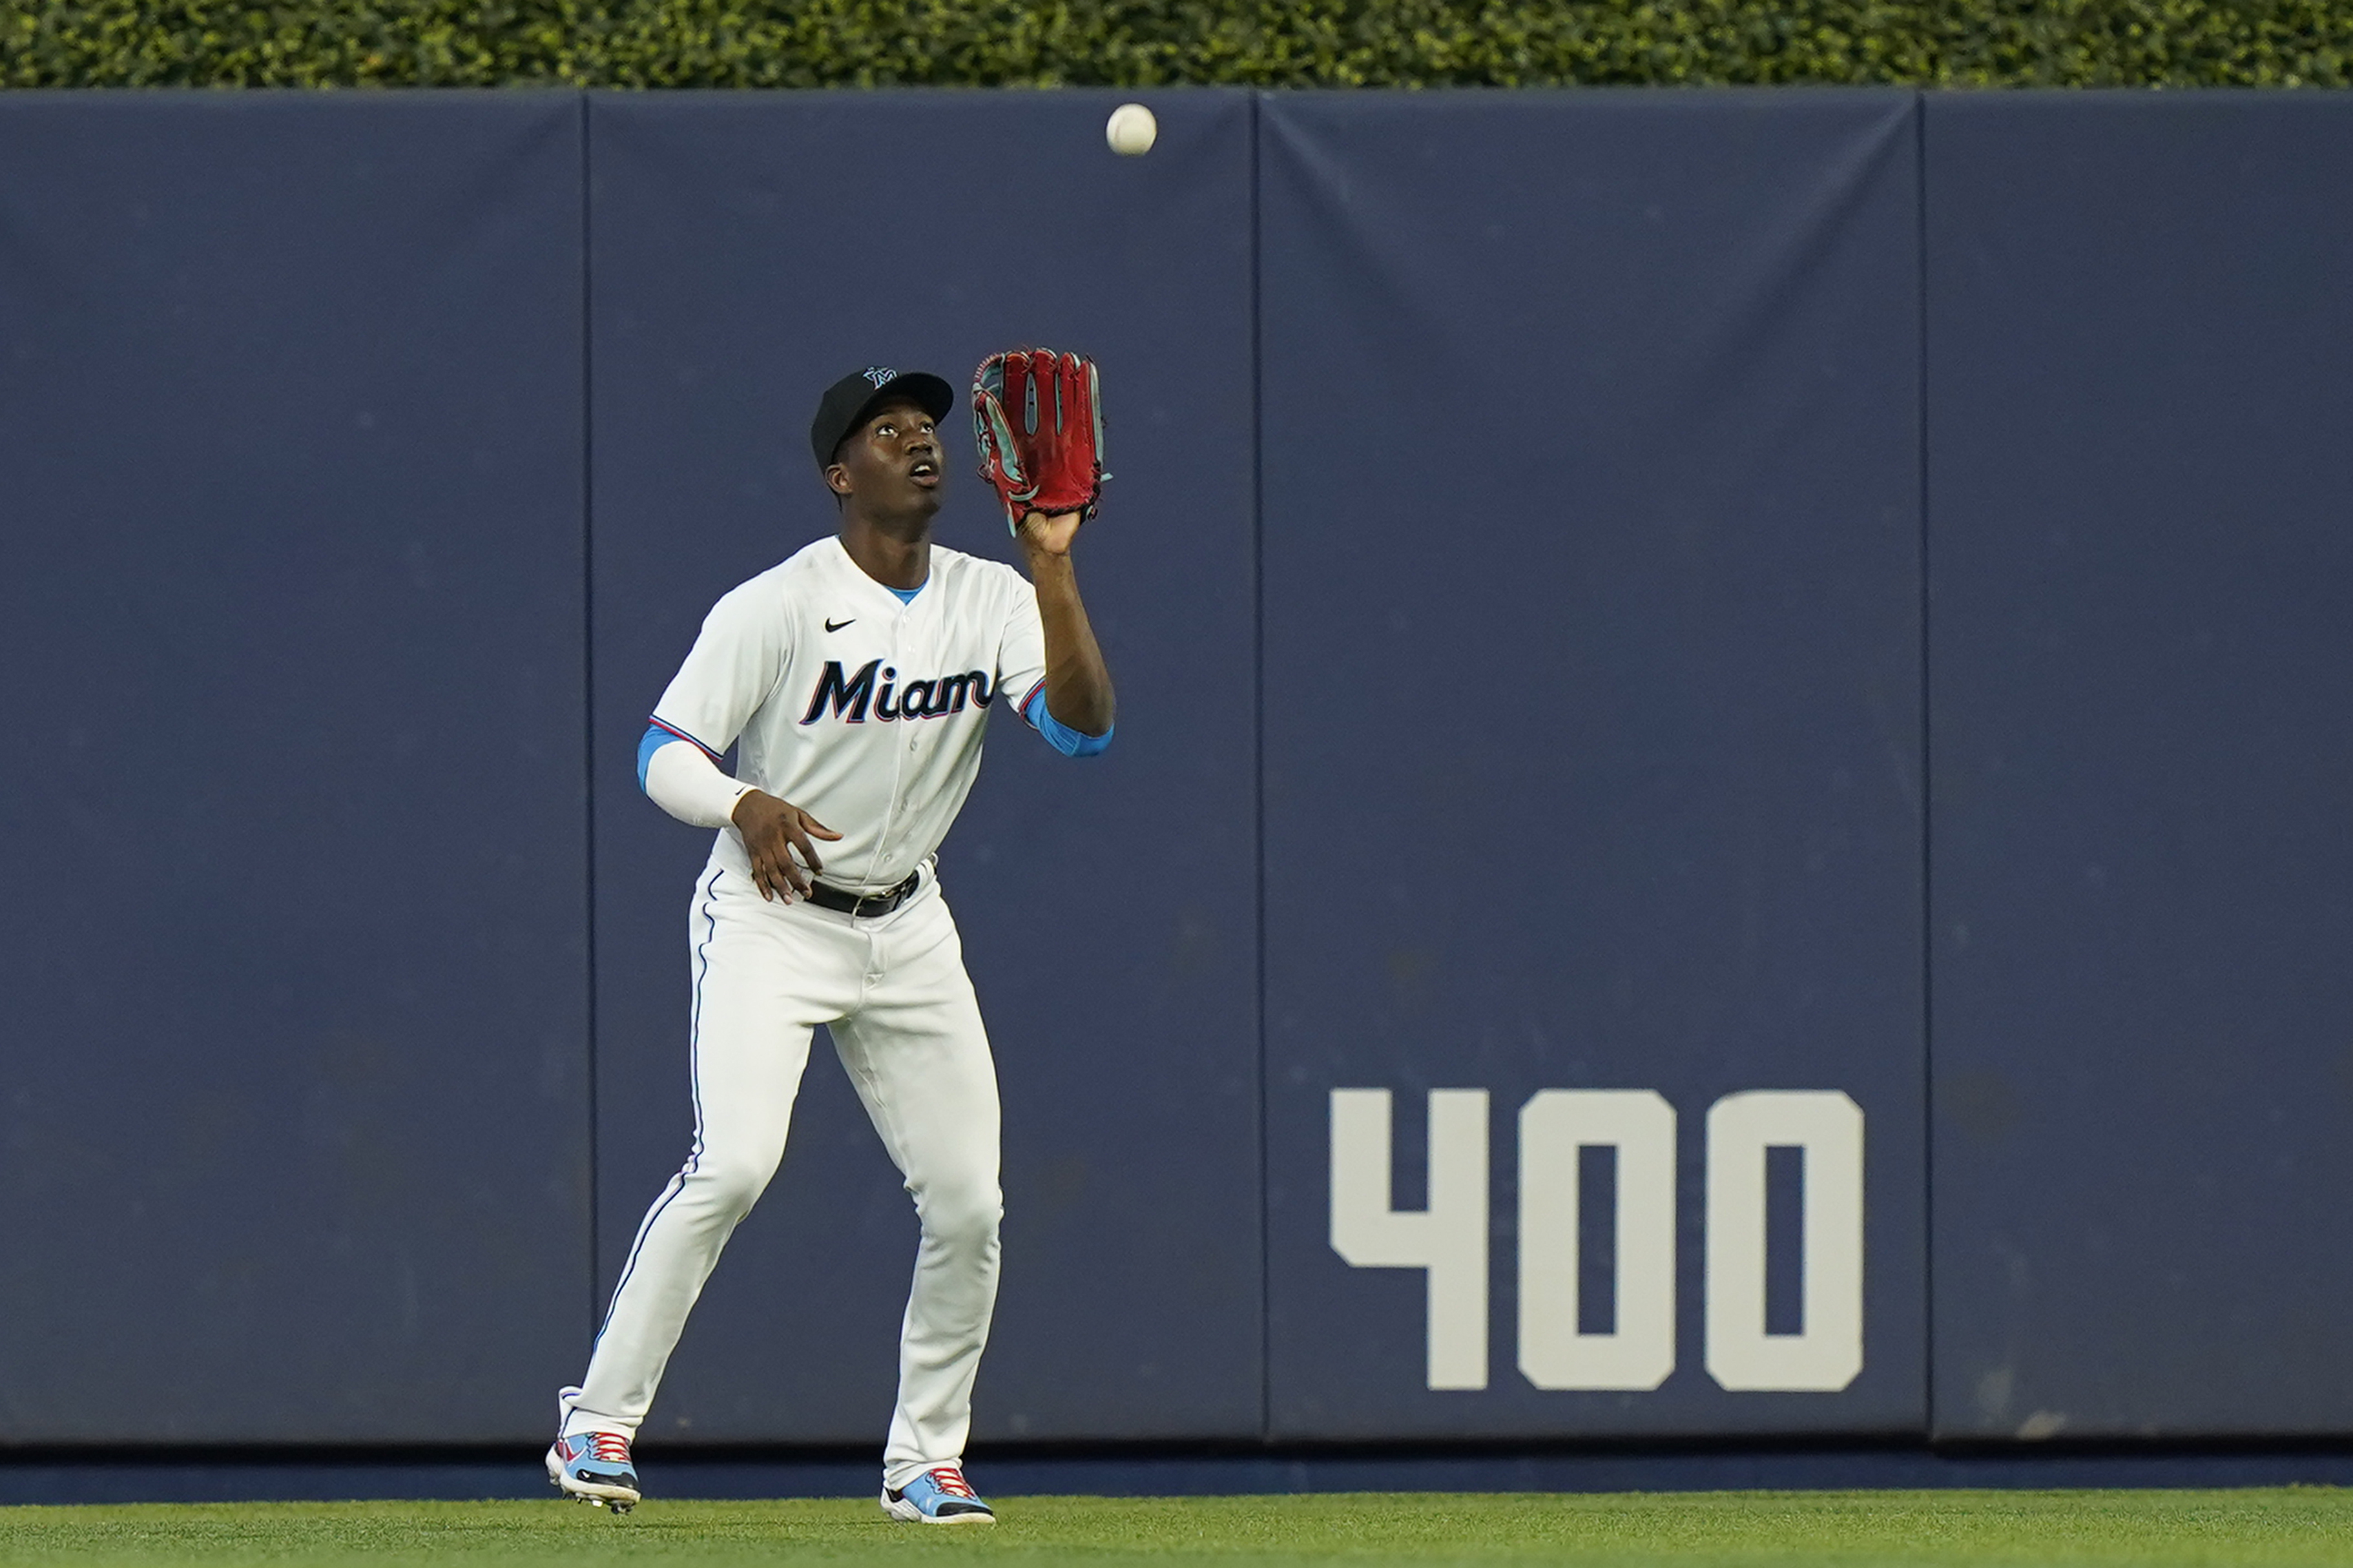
(864, 711)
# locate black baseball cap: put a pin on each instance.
(851, 401)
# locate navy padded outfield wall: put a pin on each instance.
(747, 250)
(1508, 979)
(1591, 682)
(295, 1140)
(2140, 346)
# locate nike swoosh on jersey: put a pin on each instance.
(837, 625)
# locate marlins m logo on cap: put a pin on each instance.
(879, 377)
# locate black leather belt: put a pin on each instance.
(870, 906)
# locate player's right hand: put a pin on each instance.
(772, 830)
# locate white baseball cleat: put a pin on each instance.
(939, 1496)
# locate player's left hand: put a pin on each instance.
(1051, 533)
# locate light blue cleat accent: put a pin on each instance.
(939, 1496)
(595, 1467)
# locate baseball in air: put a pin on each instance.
(1132, 131)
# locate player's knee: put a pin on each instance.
(966, 1216)
(733, 1182)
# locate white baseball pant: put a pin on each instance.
(893, 993)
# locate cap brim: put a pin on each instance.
(930, 393)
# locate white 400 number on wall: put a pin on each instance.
(1449, 1238)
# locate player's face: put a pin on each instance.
(893, 462)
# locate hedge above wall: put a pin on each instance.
(1266, 43)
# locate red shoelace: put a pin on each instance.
(610, 1447)
(950, 1480)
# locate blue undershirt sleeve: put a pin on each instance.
(652, 740)
(1061, 736)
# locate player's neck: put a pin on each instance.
(894, 558)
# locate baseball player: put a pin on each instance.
(855, 680)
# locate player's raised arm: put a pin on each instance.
(1078, 684)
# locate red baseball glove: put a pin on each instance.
(1037, 422)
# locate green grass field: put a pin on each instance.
(2277, 1526)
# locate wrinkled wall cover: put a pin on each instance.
(1591, 517)
(294, 929)
(2141, 727)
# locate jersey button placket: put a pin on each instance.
(896, 817)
